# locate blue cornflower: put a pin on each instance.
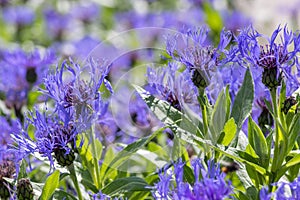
(18, 15)
(175, 89)
(7, 127)
(87, 12)
(285, 191)
(19, 72)
(56, 23)
(276, 60)
(77, 88)
(210, 183)
(55, 137)
(191, 48)
(32, 65)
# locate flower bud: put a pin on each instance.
(24, 189)
(62, 158)
(287, 104)
(270, 78)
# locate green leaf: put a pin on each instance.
(242, 105)
(98, 153)
(188, 174)
(166, 113)
(294, 132)
(229, 132)
(51, 184)
(124, 185)
(230, 152)
(213, 18)
(22, 170)
(218, 118)
(292, 162)
(258, 142)
(128, 151)
(60, 194)
(228, 103)
(89, 185)
(109, 156)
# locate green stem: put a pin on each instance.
(71, 169)
(96, 163)
(275, 163)
(205, 122)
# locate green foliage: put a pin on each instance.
(125, 185)
(242, 105)
(51, 184)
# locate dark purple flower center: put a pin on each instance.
(31, 75)
(269, 58)
(171, 98)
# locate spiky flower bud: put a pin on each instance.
(4, 191)
(265, 118)
(198, 80)
(271, 78)
(7, 169)
(288, 103)
(63, 158)
(24, 189)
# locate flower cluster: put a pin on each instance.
(285, 191)
(209, 184)
(78, 103)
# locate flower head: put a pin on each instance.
(56, 23)
(76, 88)
(20, 72)
(55, 137)
(175, 89)
(86, 12)
(18, 15)
(210, 183)
(275, 59)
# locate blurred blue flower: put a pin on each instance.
(210, 183)
(235, 20)
(87, 12)
(18, 15)
(7, 127)
(33, 65)
(56, 23)
(84, 47)
(19, 72)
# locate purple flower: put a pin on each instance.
(55, 137)
(75, 88)
(175, 89)
(19, 72)
(210, 183)
(33, 65)
(275, 59)
(7, 127)
(56, 23)
(285, 191)
(86, 12)
(191, 48)
(84, 47)
(235, 20)
(19, 15)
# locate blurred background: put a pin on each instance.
(66, 25)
